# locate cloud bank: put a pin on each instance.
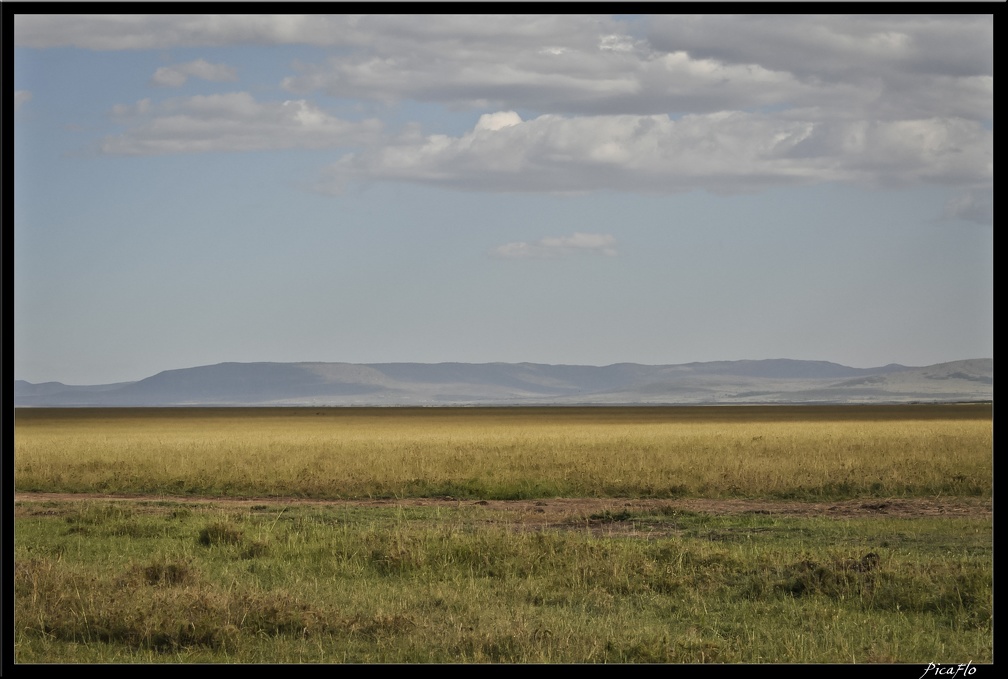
(724, 152)
(567, 103)
(230, 122)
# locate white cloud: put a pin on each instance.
(974, 205)
(21, 97)
(846, 66)
(835, 46)
(720, 152)
(176, 76)
(898, 65)
(617, 43)
(142, 107)
(854, 66)
(594, 72)
(169, 77)
(657, 103)
(231, 122)
(497, 121)
(559, 246)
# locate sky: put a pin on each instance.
(566, 189)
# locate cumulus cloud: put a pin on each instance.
(559, 246)
(176, 76)
(729, 151)
(231, 122)
(590, 71)
(497, 121)
(657, 103)
(847, 66)
(940, 65)
(868, 66)
(21, 97)
(557, 63)
(836, 46)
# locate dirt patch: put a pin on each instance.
(600, 514)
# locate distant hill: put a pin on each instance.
(388, 384)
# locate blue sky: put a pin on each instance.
(570, 189)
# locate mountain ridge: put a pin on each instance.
(452, 383)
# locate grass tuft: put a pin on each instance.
(220, 533)
(170, 573)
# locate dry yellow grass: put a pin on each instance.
(507, 453)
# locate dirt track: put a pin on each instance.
(558, 510)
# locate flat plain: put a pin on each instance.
(596, 534)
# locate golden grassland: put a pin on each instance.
(801, 452)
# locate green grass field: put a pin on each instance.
(160, 578)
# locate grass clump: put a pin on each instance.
(171, 573)
(220, 533)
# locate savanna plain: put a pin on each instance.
(724, 534)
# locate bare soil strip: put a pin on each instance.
(561, 510)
